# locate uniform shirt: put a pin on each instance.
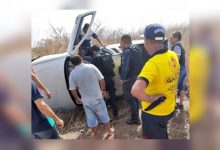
(86, 78)
(180, 51)
(177, 49)
(131, 63)
(162, 73)
(39, 121)
(87, 42)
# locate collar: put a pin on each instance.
(176, 43)
(129, 46)
(161, 51)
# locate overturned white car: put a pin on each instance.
(54, 70)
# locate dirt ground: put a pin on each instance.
(75, 125)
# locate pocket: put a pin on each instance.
(100, 107)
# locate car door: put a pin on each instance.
(75, 43)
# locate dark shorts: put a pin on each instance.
(47, 134)
(155, 127)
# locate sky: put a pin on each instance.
(126, 14)
(127, 20)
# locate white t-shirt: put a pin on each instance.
(86, 78)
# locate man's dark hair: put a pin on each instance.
(86, 26)
(126, 38)
(76, 60)
(95, 48)
(177, 35)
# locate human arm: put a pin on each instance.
(138, 91)
(73, 89)
(102, 86)
(147, 76)
(47, 111)
(75, 95)
(100, 41)
(40, 85)
(95, 36)
(42, 106)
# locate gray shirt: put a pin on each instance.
(86, 78)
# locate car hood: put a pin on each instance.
(49, 58)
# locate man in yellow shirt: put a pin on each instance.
(156, 85)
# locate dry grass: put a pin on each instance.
(75, 125)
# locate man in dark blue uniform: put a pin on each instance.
(86, 45)
(131, 63)
(108, 76)
(180, 51)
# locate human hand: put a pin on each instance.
(104, 94)
(47, 94)
(79, 101)
(59, 123)
(153, 98)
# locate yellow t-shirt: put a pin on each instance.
(198, 81)
(162, 72)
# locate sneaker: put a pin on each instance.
(133, 122)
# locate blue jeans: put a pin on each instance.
(182, 75)
(132, 101)
(96, 110)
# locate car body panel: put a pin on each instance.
(51, 73)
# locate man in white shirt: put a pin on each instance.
(91, 85)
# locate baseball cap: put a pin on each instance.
(154, 32)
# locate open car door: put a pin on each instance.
(75, 41)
